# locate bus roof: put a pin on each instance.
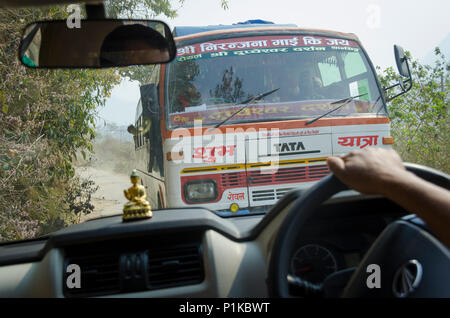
(188, 32)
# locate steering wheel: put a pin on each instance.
(412, 262)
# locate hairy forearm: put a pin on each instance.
(428, 201)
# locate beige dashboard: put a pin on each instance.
(235, 254)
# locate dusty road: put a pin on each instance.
(109, 198)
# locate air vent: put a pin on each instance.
(289, 175)
(136, 264)
(175, 266)
(233, 180)
(99, 275)
(265, 195)
(282, 192)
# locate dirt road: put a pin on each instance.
(109, 198)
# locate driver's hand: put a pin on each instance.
(381, 171)
(368, 170)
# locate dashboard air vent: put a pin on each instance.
(135, 264)
(175, 266)
(99, 275)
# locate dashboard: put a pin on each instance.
(191, 252)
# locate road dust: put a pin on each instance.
(109, 198)
(109, 167)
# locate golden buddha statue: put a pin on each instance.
(137, 207)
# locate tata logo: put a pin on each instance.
(290, 146)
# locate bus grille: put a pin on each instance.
(233, 180)
(264, 195)
(289, 175)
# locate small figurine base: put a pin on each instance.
(136, 215)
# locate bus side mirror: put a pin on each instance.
(402, 61)
(150, 100)
(403, 68)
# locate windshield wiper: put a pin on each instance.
(344, 102)
(246, 103)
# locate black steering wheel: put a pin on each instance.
(412, 262)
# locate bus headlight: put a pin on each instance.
(200, 190)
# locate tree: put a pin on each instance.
(420, 118)
(134, 9)
(145, 8)
(45, 117)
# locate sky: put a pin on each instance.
(416, 25)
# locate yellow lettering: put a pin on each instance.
(285, 109)
(271, 110)
(244, 112)
(257, 111)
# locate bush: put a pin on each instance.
(420, 118)
(34, 202)
(45, 117)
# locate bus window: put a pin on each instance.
(329, 71)
(210, 80)
(354, 65)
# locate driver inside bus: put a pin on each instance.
(310, 86)
(190, 96)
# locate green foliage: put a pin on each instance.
(45, 117)
(224, 4)
(140, 73)
(144, 9)
(420, 118)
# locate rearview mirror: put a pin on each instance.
(96, 44)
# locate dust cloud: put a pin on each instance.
(109, 167)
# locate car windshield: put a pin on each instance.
(83, 143)
(209, 80)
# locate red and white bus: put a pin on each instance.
(206, 139)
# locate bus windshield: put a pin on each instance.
(208, 81)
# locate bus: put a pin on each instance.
(248, 112)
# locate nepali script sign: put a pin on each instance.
(266, 42)
(265, 111)
(358, 141)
